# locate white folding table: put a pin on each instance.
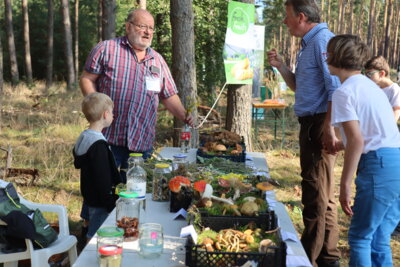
(174, 246)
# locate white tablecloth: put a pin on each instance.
(174, 250)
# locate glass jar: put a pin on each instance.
(180, 165)
(161, 177)
(137, 158)
(110, 236)
(128, 212)
(110, 256)
(151, 240)
(136, 177)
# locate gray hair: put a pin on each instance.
(308, 7)
(136, 12)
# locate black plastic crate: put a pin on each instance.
(236, 158)
(199, 257)
(196, 256)
(266, 221)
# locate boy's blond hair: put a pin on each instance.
(94, 105)
(378, 63)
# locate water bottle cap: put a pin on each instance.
(162, 165)
(135, 155)
(180, 156)
(110, 232)
(109, 250)
(128, 194)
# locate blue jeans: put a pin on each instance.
(376, 208)
(95, 215)
(121, 155)
(96, 218)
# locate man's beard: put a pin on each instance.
(137, 42)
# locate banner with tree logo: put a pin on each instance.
(239, 43)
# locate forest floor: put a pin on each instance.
(41, 127)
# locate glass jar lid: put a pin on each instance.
(162, 165)
(110, 232)
(110, 250)
(135, 155)
(180, 156)
(128, 194)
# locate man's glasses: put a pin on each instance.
(370, 73)
(143, 27)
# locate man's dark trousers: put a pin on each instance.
(321, 234)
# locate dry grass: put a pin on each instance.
(42, 128)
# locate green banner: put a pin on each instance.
(239, 43)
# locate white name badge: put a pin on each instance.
(153, 84)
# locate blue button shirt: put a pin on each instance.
(314, 84)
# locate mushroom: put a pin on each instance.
(265, 186)
(264, 244)
(220, 148)
(248, 232)
(208, 194)
(249, 239)
(200, 186)
(208, 242)
(249, 208)
(247, 199)
(233, 208)
(239, 148)
(177, 182)
(204, 202)
(235, 152)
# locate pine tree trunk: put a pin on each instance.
(351, 24)
(69, 58)
(376, 33)
(27, 46)
(142, 4)
(342, 16)
(183, 61)
(1, 79)
(396, 37)
(339, 20)
(328, 13)
(76, 40)
(322, 10)
(11, 43)
(387, 30)
(99, 21)
(383, 29)
(371, 22)
(360, 21)
(108, 20)
(238, 114)
(50, 43)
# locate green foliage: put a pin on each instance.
(210, 18)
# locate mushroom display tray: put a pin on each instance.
(197, 256)
(266, 221)
(236, 158)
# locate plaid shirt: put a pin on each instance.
(122, 77)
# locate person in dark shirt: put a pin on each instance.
(92, 155)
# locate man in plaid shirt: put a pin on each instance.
(136, 77)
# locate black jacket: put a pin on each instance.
(99, 175)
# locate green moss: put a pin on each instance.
(206, 233)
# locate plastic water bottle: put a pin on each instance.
(185, 138)
(136, 176)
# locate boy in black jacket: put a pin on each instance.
(92, 155)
